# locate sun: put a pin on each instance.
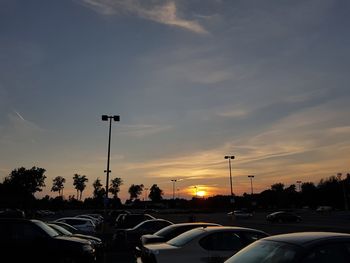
(201, 193)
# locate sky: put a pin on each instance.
(192, 81)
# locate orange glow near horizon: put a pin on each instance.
(201, 193)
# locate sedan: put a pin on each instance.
(283, 217)
(95, 241)
(205, 244)
(305, 247)
(172, 231)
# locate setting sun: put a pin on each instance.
(201, 193)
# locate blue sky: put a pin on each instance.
(192, 81)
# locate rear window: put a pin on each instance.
(186, 237)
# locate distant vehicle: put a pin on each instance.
(205, 244)
(124, 221)
(283, 217)
(241, 214)
(95, 241)
(172, 231)
(306, 247)
(12, 213)
(130, 238)
(23, 240)
(83, 224)
(322, 209)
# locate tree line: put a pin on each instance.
(19, 187)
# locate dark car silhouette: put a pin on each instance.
(305, 247)
(283, 217)
(95, 241)
(23, 240)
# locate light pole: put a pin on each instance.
(146, 189)
(299, 185)
(196, 190)
(174, 181)
(229, 157)
(346, 207)
(110, 118)
(251, 182)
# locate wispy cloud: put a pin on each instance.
(158, 11)
(19, 129)
(141, 130)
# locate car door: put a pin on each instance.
(30, 241)
(221, 245)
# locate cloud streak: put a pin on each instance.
(164, 13)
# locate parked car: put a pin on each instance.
(172, 231)
(130, 238)
(24, 240)
(97, 222)
(95, 241)
(85, 225)
(124, 221)
(306, 247)
(205, 244)
(283, 217)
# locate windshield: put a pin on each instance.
(265, 252)
(164, 231)
(49, 230)
(60, 230)
(186, 237)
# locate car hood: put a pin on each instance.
(72, 239)
(96, 239)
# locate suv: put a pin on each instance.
(34, 241)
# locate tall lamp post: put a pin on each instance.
(110, 118)
(174, 181)
(251, 182)
(146, 192)
(230, 157)
(346, 206)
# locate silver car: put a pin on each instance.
(205, 244)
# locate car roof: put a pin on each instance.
(307, 238)
(195, 223)
(224, 228)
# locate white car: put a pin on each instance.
(205, 244)
(83, 224)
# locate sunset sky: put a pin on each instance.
(192, 81)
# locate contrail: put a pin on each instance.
(20, 116)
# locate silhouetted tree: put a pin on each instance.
(279, 187)
(155, 193)
(115, 186)
(57, 185)
(135, 190)
(79, 182)
(25, 180)
(99, 192)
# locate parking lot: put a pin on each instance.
(312, 221)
